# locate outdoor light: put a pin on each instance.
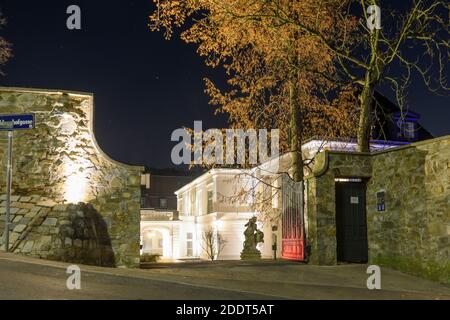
(76, 183)
(75, 188)
(74, 168)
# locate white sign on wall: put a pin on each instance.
(354, 200)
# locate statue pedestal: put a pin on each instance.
(251, 255)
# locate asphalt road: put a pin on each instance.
(20, 280)
(23, 277)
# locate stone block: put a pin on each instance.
(36, 209)
(13, 237)
(116, 183)
(78, 243)
(28, 247)
(30, 214)
(47, 203)
(23, 205)
(17, 219)
(35, 199)
(50, 222)
(20, 228)
(45, 240)
(60, 207)
(24, 220)
(68, 242)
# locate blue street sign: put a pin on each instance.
(17, 122)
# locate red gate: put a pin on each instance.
(293, 231)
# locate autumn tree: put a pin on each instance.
(309, 67)
(5, 46)
(278, 77)
(275, 73)
(413, 39)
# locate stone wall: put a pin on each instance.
(71, 201)
(413, 233)
(321, 203)
(68, 232)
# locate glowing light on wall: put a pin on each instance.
(75, 188)
(74, 168)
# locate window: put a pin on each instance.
(407, 130)
(210, 202)
(163, 203)
(192, 194)
(145, 180)
(189, 244)
(160, 243)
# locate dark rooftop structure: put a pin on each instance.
(158, 187)
(391, 123)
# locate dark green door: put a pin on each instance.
(351, 223)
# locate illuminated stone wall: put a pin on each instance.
(321, 201)
(413, 233)
(58, 165)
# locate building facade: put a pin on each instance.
(216, 202)
(222, 201)
(159, 205)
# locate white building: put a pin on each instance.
(215, 201)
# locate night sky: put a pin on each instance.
(145, 87)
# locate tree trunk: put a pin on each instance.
(365, 102)
(371, 79)
(296, 149)
(295, 129)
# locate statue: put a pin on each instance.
(253, 236)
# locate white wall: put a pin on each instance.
(230, 215)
